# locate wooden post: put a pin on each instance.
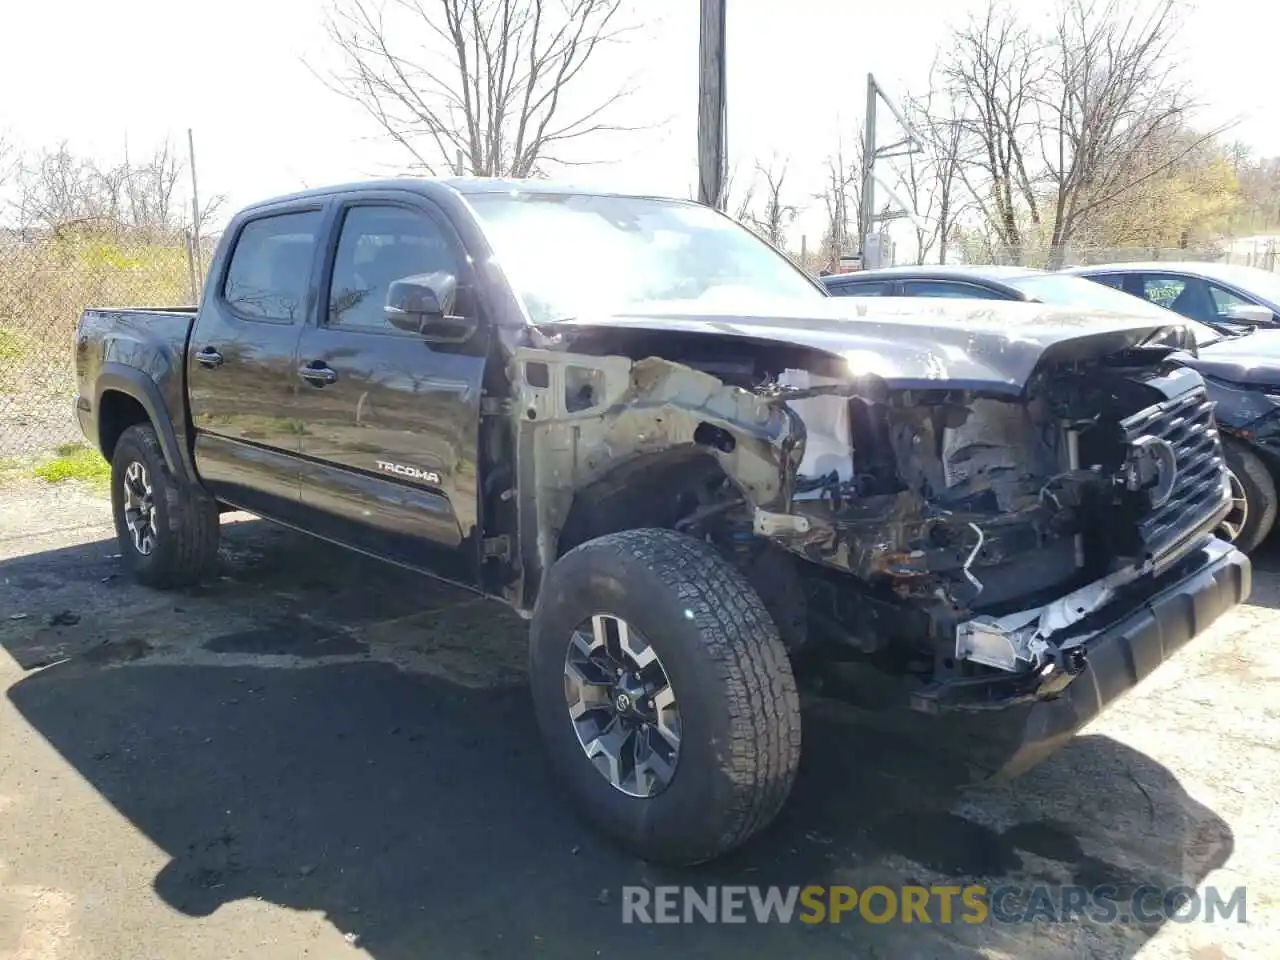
(712, 128)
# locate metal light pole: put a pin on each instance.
(911, 143)
(712, 126)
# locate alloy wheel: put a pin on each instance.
(1236, 519)
(139, 507)
(622, 706)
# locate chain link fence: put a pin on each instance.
(1259, 252)
(46, 281)
(1262, 252)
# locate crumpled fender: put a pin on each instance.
(589, 415)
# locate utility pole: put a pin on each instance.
(195, 208)
(866, 208)
(712, 125)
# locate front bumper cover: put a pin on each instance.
(1147, 627)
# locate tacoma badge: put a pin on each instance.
(430, 476)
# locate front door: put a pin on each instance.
(391, 420)
(241, 364)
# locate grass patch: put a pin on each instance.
(75, 461)
(11, 348)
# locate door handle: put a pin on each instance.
(318, 373)
(209, 357)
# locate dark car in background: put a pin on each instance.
(1218, 294)
(1240, 363)
(1242, 369)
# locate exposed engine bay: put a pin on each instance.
(976, 531)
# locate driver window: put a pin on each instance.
(1224, 300)
(377, 246)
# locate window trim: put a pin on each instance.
(989, 293)
(840, 289)
(257, 217)
(420, 207)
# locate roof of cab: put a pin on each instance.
(465, 186)
(983, 271)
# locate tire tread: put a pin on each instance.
(742, 639)
(1260, 488)
(193, 529)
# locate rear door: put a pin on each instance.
(240, 362)
(391, 420)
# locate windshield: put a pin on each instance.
(572, 254)
(1076, 291)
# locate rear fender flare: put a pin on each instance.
(136, 384)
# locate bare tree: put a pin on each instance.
(59, 190)
(8, 159)
(1110, 110)
(931, 179)
(1056, 126)
(994, 69)
(772, 221)
(486, 80)
(841, 198)
(156, 196)
(1259, 184)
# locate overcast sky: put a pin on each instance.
(235, 71)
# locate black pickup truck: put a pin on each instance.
(698, 475)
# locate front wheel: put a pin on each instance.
(1253, 498)
(664, 694)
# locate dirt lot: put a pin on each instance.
(321, 756)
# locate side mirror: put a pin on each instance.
(1250, 313)
(424, 304)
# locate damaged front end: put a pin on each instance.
(1008, 523)
(975, 532)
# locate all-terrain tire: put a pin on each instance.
(186, 528)
(728, 669)
(1259, 493)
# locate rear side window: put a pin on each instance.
(1107, 279)
(1188, 296)
(947, 288)
(271, 265)
(1163, 290)
(869, 288)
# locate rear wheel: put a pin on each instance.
(664, 694)
(167, 529)
(1253, 495)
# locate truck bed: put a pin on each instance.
(140, 347)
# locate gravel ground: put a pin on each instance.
(321, 756)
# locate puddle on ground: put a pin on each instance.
(293, 638)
